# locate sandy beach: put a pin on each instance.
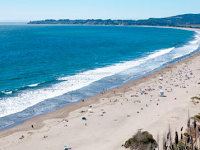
(107, 120)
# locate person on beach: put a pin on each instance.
(32, 126)
(21, 137)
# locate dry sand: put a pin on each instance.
(116, 114)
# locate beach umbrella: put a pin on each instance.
(160, 78)
(83, 118)
(161, 93)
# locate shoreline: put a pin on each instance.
(39, 122)
(75, 106)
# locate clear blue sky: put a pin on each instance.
(26, 10)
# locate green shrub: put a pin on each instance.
(141, 141)
(195, 97)
(186, 134)
(197, 116)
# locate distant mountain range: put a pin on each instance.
(186, 20)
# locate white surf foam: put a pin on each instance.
(33, 85)
(187, 49)
(5, 92)
(197, 38)
(159, 53)
(29, 98)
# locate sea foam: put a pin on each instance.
(33, 85)
(67, 84)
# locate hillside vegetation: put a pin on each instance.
(186, 20)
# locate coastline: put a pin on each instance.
(40, 121)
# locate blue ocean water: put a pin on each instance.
(46, 67)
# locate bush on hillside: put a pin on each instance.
(197, 116)
(141, 141)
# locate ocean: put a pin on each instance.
(47, 67)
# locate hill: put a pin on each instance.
(186, 20)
